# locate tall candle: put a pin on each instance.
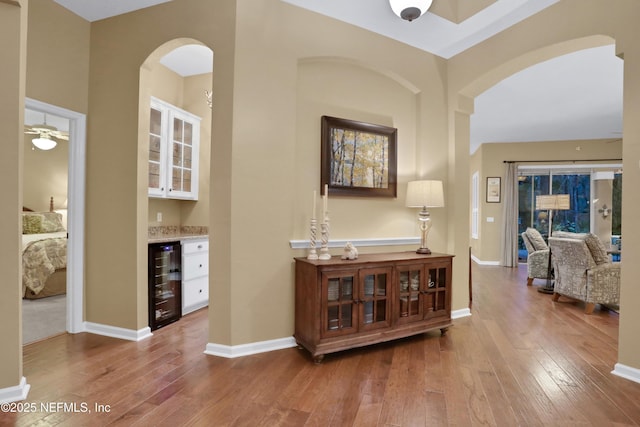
(313, 213)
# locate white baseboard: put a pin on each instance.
(231, 352)
(463, 312)
(15, 393)
(116, 332)
(627, 372)
(480, 262)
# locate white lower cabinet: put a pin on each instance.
(195, 274)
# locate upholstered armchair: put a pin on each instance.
(584, 272)
(537, 255)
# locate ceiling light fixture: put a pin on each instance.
(44, 142)
(410, 9)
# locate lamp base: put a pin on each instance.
(426, 251)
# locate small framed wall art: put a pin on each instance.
(357, 158)
(493, 189)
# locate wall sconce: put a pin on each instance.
(605, 211)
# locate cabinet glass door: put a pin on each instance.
(374, 297)
(156, 155)
(182, 155)
(437, 300)
(409, 286)
(339, 314)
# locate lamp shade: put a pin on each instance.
(44, 142)
(426, 194)
(554, 201)
(409, 9)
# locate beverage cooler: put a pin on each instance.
(165, 284)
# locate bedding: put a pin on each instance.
(44, 251)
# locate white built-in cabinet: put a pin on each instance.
(174, 144)
(195, 274)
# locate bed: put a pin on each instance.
(44, 254)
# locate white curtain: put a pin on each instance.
(509, 245)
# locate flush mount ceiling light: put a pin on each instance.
(410, 9)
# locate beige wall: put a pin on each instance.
(45, 175)
(477, 69)
(489, 161)
(13, 35)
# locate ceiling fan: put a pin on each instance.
(46, 133)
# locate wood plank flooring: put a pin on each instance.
(519, 360)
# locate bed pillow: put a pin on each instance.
(52, 222)
(31, 223)
(41, 222)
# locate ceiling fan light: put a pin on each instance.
(44, 143)
(410, 9)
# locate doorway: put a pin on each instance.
(75, 191)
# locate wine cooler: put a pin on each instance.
(165, 284)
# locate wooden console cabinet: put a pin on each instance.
(343, 304)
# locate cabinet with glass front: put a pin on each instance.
(174, 144)
(342, 304)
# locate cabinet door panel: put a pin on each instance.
(338, 313)
(374, 301)
(438, 300)
(409, 284)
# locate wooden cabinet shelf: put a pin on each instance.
(343, 304)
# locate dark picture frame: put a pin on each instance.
(494, 189)
(357, 158)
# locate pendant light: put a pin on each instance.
(410, 9)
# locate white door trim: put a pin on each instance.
(75, 209)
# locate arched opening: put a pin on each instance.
(178, 77)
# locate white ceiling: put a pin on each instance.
(577, 96)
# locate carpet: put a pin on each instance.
(43, 318)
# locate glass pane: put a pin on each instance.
(177, 130)
(332, 318)
(381, 310)
(155, 119)
(154, 175)
(578, 187)
(368, 285)
(415, 280)
(334, 289)
(187, 157)
(432, 278)
(414, 305)
(177, 154)
(346, 315)
(442, 277)
(404, 281)
(404, 306)
(188, 133)
(368, 312)
(154, 148)
(381, 284)
(616, 214)
(186, 180)
(347, 288)
(176, 179)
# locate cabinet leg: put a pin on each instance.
(443, 331)
(318, 359)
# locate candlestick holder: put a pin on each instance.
(324, 249)
(312, 242)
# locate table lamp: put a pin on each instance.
(424, 194)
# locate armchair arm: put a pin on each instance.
(538, 263)
(603, 283)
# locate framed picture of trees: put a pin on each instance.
(357, 158)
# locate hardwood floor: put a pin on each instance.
(520, 359)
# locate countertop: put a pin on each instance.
(165, 234)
